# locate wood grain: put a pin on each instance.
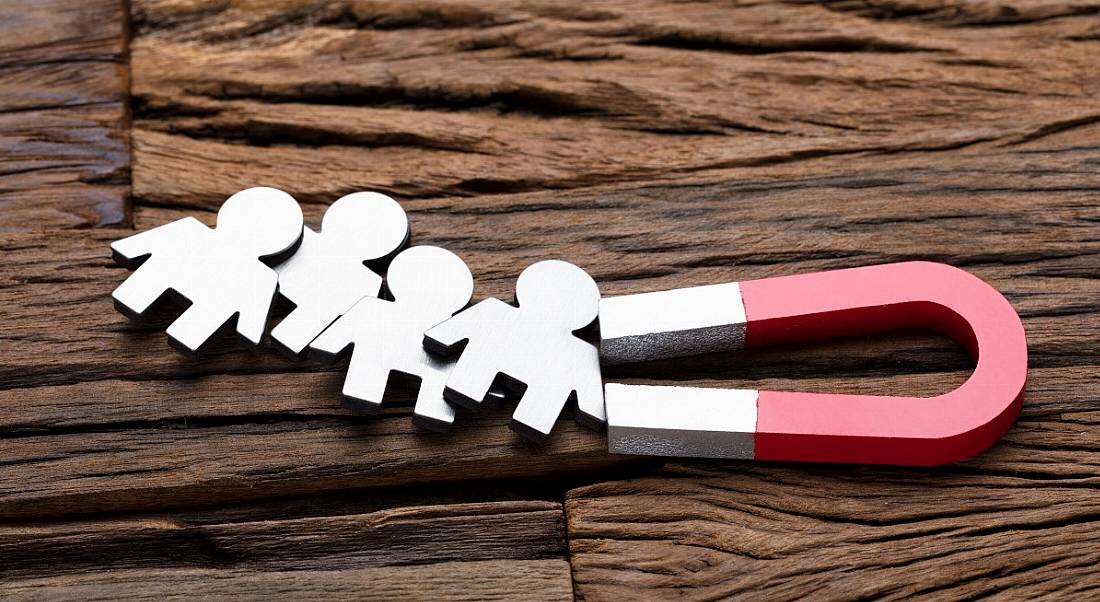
(397, 536)
(190, 455)
(64, 123)
(655, 144)
(456, 551)
(428, 99)
(709, 531)
(457, 581)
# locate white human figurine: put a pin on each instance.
(218, 270)
(428, 285)
(531, 346)
(327, 275)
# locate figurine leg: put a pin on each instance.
(137, 293)
(365, 384)
(469, 384)
(537, 412)
(432, 412)
(332, 343)
(195, 328)
(298, 329)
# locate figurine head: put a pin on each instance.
(262, 221)
(559, 292)
(428, 275)
(369, 225)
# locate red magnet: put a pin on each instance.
(816, 427)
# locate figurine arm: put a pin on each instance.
(589, 388)
(444, 338)
(334, 340)
(129, 252)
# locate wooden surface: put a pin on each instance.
(654, 144)
(64, 130)
(456, 551)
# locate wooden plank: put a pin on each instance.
(708, 531)
(1038, 251)
(458, 581)
(459, 98)
(465, 551)
(511, 530)
(64, 123)
(173, 448)
(191, 455)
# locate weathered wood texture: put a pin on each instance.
(656, 145)
(447, 581)
(64, 133)
(388, 537)
(445, 98)
(1019, 521)
(456, 551)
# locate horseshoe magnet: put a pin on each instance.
(815, 427)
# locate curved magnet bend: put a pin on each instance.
(817, 427)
